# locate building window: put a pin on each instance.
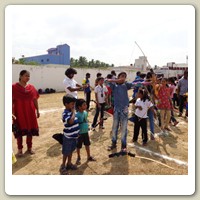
(42, 60)
(47, 60)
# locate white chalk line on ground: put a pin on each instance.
(159, 155)
(132, 145)
(50, 110)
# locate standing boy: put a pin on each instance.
(70, 133)
(87, 90)
(83, 138)
(121, 103)
(101, 97)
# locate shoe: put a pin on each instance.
(63, 170)
(19, 153)
(180, 115)
(113, 146)
(101, 127)
(72, 167)
(152, 137)
(175, 123)
(91, 159)
(30, 151)
(124, 150)
(78, 161)
(144, 144)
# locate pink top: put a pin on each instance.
(164, 101)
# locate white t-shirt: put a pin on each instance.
(145, 106)
(101, 93)
(70, 83)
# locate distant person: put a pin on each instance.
(113, 74)
(138, 75)
(164, 105)
(26, 111)
(182, 89)
(71, 86)
(70, 134)
(83, 138)
(87, 90)
(97, 76)
(101, 99)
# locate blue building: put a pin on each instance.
(59, 55)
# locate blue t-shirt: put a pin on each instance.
(83, 121)
(137, 84)
(120, 94)
(70, 130)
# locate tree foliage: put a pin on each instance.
(83, 62)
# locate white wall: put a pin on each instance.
(51, 76)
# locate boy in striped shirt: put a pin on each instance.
(70, 133)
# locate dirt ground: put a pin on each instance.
(166, 155)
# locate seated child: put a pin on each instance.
(83, 138)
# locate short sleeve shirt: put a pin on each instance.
(70, 83)
(100, 91)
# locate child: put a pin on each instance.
(83, 138)
(101, 97)
(121, 102)
(87, 90)
(142, 105)
(70, 133)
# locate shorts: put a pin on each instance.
(68, 146)
(83, 139)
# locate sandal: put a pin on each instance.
(30, 151)
(91, 159)
(78, 161)
(63, 170)
(72, 167)
(19, 153)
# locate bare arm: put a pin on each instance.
(71, 121)
(36, 107)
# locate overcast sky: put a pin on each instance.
(105, 33)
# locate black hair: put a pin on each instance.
(80, 102)
(70, 71)
(22, 73)
(142, 76)
(113, 72)
(149, 75)
(109, 76)
(99, 78)
(121, 74)
(144, 94)
(138, 73)
(68, 99)
(87, 74)
(98, 74)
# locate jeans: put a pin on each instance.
(151, 121)
(120, 116)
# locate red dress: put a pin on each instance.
(24, 110)
(164, 98)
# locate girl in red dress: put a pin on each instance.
(25, 109)
(164, 104)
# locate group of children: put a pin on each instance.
(149, 95)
